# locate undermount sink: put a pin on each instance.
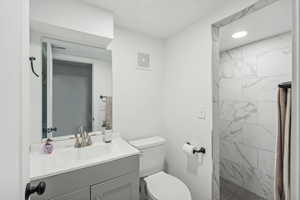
(68, 155)
(67, 159)
(93, 151)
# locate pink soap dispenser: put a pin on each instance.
(48, 146)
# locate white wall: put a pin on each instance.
(14, 49)
(187, 88)
(295, 155)
(137, 110)
(36, 89)
(74, 15)
(72, 20)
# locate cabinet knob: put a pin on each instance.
(39, 189)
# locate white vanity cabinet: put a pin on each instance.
(113, 180)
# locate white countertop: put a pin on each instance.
(68, 159)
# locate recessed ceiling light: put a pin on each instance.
(239, 34)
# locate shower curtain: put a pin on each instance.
(283, 149)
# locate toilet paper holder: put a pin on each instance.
(198, 150)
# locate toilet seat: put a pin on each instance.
(162, 186)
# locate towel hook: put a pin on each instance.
(32, 69)
(103, 98)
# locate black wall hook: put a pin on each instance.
(32, 68)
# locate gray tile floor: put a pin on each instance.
(231, 191)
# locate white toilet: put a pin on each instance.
(160, 185)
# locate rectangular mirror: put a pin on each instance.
(76, 88)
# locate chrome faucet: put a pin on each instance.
(82, 139)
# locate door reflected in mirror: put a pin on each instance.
(76, 88)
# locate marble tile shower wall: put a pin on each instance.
(247, 108)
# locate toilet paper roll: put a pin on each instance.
(188, 149)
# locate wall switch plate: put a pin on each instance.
(202, 114)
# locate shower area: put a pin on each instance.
(254, 49)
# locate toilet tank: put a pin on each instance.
(152, 154)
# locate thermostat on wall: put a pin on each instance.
(143, 61)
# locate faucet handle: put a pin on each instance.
(77, 142)
(81, 129)
(83, 139)
(89, 140)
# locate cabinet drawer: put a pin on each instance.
(125, 187)
(83, 194)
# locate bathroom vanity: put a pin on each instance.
(72, 81)
(98, 172)
(75, 91)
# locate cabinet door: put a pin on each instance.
(122, 188)
(83, 194)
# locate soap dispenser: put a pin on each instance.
(48, 146)
(107, 132)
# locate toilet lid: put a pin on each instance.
(162, 186)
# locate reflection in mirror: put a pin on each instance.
(76, 88)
